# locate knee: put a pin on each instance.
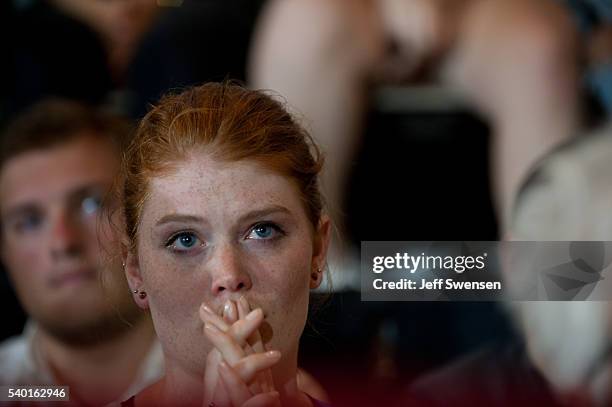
(537, 34)
(530, 41)
(314, 32)
(546, 38)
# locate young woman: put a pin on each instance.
(224, 238)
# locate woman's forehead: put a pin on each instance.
(201, 184)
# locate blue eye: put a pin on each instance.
(264, 231)
(183, 242)
(91, 205)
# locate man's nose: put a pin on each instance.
(228, 272)
(66, 236)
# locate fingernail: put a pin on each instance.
(226, 308)
(253, 314)
(273, 354)
(223, 364)
(207, 309)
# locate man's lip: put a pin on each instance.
(72, 277)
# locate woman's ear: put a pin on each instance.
(131, 267)
(319, 251)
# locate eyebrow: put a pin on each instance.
(89, 189)
(258, 213)
(177, 217)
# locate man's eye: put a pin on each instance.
(91, 205)
(264, 231)
(28, 223)
(183, 242)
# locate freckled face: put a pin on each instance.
(212, 231)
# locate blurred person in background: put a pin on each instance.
(516, 61)
(173, 54)
(79, 50)
(51, 55)
(120, 24)
(565, 357)
(57, 161)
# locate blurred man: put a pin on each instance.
(564, 357)
(57, 162)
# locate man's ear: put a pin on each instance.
(131, 267)
(320, 247)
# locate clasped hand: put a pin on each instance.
(238, 367)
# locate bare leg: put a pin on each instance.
(517, 61)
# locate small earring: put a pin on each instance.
(141, 294)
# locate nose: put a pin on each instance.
(66, 236)
(229, 275)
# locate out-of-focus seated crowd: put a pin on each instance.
(437, 120)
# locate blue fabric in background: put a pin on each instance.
(588, 14)
(599, 81)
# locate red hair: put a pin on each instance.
(230, 123)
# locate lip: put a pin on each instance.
(73, 277)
